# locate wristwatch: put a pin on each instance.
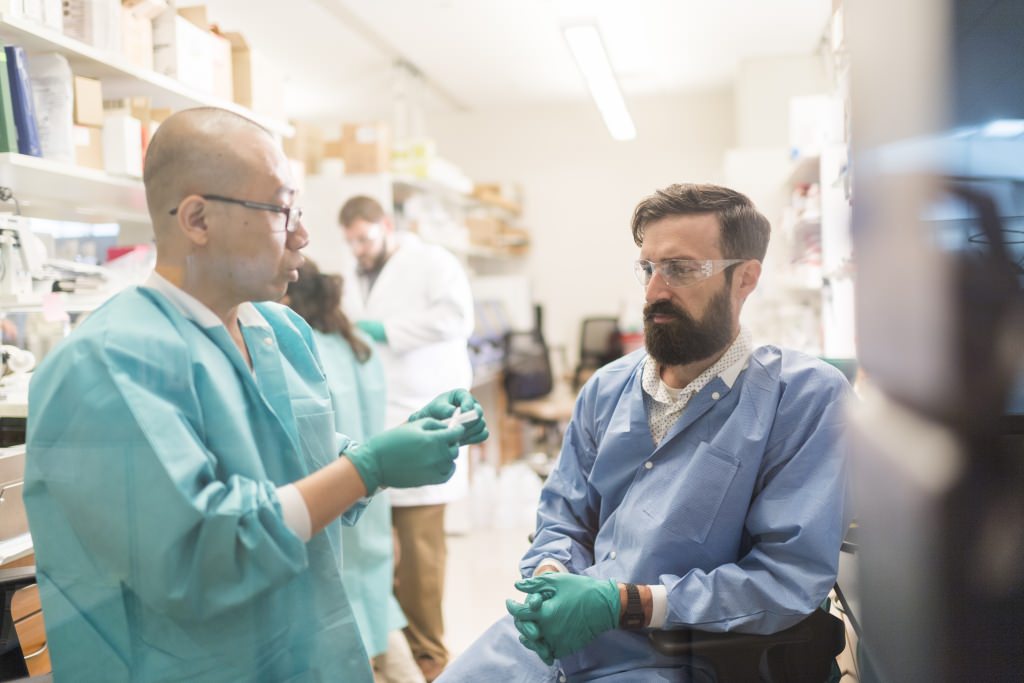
(633, 618)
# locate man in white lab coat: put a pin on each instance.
(417, 307)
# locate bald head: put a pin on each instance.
(201, 151)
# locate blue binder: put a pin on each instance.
(22, 102)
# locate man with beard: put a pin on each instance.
(416, 305)
(701, 483)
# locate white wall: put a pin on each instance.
(763, 89)
(580, 188)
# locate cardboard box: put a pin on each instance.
(95, 22)
(46, 12)
(307, 146)
(89, 147)
(223, 69)
(502, 195)
(122, 144)
(484, 230)
(196, 15)
(514, 241)
(366, 147)
(258, 83)
(149, 117)
(334, 149)
(146, 9)
(220, 55)
(88, 95)
(195, 57)
(137, 38)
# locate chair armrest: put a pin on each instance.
(693, 641)
(820, 637)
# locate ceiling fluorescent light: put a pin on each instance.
(588, 49)
(1004, 128)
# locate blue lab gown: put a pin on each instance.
(740, 516)
(359, 396)
(153, 460)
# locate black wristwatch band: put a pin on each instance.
(633, 618)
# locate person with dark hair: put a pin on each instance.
(356, 380)
(701, 483)
(415, 303)
(184, 482)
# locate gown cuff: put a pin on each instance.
(295, 512)
(659, 606)
(551, 562)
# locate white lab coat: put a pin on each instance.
(423, 299)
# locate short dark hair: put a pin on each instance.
(743, 230)
(360, 207)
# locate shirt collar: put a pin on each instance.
(728, 368)
(193, 309)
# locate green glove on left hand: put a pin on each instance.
(529, 632)
(374, 329)
(575, 610)
(413, 454)
(443, 407)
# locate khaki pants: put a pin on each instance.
(420, 577)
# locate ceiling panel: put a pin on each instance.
(490, 53)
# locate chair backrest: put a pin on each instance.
(27, 612)
(600, 342)
(527, 366)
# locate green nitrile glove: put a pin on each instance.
(443, 408)
(413, 454)
(575, 609)
(374, 329)
(529, 632)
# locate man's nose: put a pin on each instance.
(657, 289)
(299, 239)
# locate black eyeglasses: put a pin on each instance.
(292, 214)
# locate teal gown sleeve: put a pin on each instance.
(184, 541)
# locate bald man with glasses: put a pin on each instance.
(184, 483)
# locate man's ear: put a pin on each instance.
(192, 216)
(745, 278)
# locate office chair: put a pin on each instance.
(600, 344)
(529, 385)
(803, 653)
(22, 635)
(527, 366)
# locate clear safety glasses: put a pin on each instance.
(680, 272)
(369, 237)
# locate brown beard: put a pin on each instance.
(685, 340)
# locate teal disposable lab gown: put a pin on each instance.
(154, 454)
(359, 394)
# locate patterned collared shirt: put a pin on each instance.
(665, 404)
